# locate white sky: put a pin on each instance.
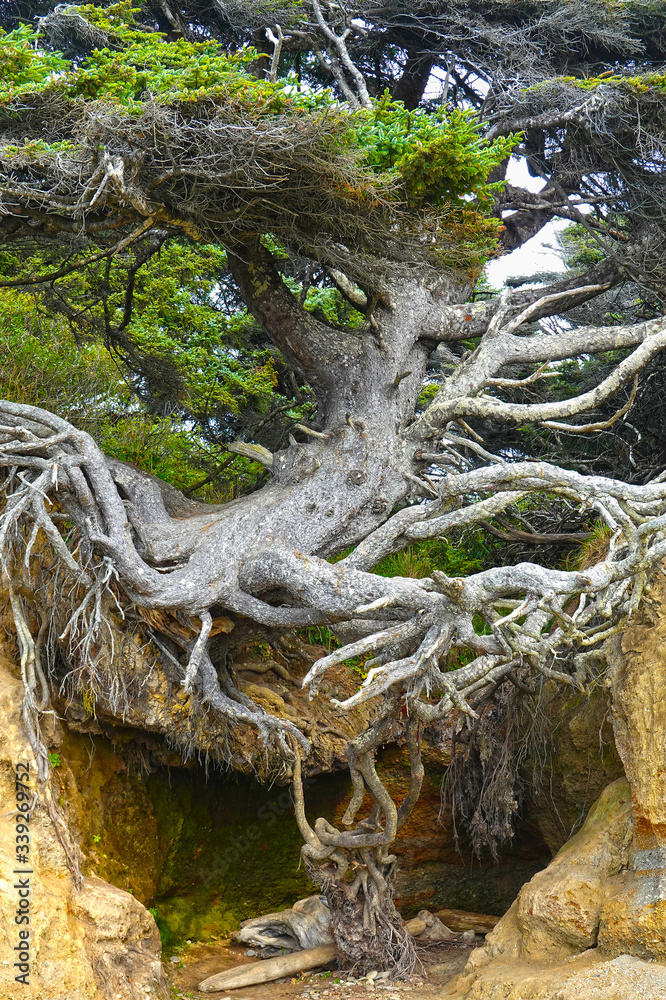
(541, 253)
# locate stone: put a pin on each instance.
(559, 910)
(503, 942)
(638, 681)
(121, 937)
(590, 976)
(633, 916)
(557, 914)
(434, 929)
(416, 926)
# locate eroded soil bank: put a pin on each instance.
(205, 847)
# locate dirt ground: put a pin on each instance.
(440, 963)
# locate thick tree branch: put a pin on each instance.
(314, 348)
(488, 407)
(460, 397)
(414, 79)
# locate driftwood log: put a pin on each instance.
(305, 925)
(462, 920)
(284, 965)
(272, 968)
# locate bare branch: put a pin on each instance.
(458, 397)
(276, 42)
(338, 41)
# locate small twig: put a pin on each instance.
(601, 425)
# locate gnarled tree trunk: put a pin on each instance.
(354, 868)
(120, 539)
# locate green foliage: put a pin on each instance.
(163, 928)
(640, 83)
(594, 549)
(132, 66)
(419, 560)
(41, 363)
(440, 157)
(439, 161)
(166, 71)
(435, 164)
(204, 348)
(188, 352)
(195, 364)
(24, 66)
(333, 307)
(117, 22)
(427, 394)
(327, 304)
(580, 250)
(54, 758)
(319, 635)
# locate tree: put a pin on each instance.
(125, 129)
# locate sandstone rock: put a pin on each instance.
(503, 942)
(633, 915)
(590, 976)
(443, 972)
(416, 926)
(95, 943)
(593, 893)
(639, 718)
(633, 918)
(559, 910)
(121, 938)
